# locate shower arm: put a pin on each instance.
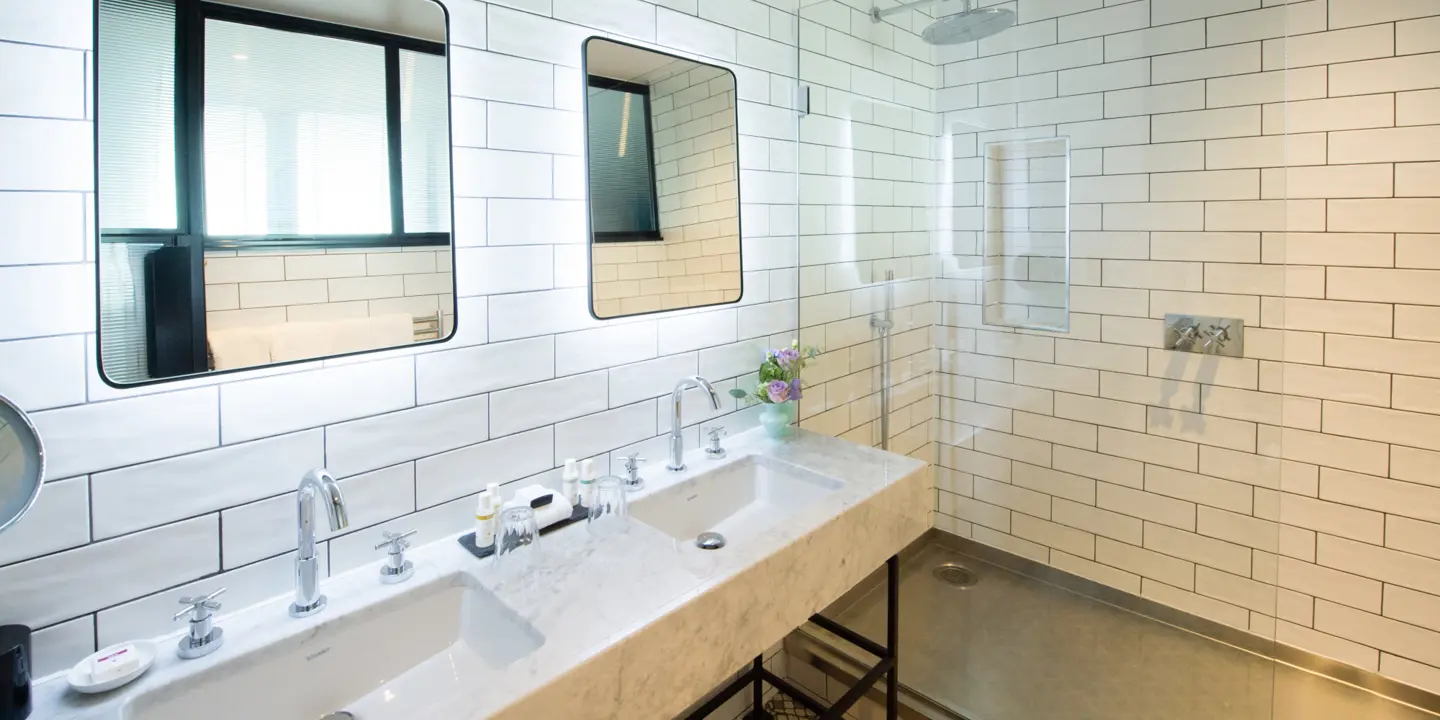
(876, 13)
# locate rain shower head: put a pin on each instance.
(966, 26)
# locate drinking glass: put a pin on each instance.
(516, 544)
(609, 514)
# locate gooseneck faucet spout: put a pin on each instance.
(677, 442)
(318, 482)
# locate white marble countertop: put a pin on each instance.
(636, 626)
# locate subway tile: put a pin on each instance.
(115, 571)
(1199, 489)
(1421, 107)
(1390, 566)
(1382, 425)
(1098, 411)
(461, 372)
(1062, 56)
(1412, 536)
(1410, 672)
(1155, 216)
(1332, 181)
(1328, 316)
(978, 464)
(1415, 465)
(59, 647)
(1012, 497)
(1418, 394)
(1208, 185)
(493, 76)
(1235, 589)
(42, 154)
(1143, 332)
(1013, 447)
(82, 438)
(155, 493)
(701, 36)
(1146, 563)
(60, 299)
(1381, 494)
(1153, 449)
(1390, 635)
(1327, 645)
(1344, 113)
(1169, 98)
(1198, 549)
(1096, 572)
(1275, 86)
(1353, 249)
(1403, 144)
(592, 434)
(43, 227)
(1417, 180)
(1237, 528)
(1350, 386)
(1107, 133)
(371, 443)
(1156, 41)
(283, 403)
(1266, 152)
(1154, 275)
(1340, 587)
(545, 403)
(1054, 483)
(451, 475)
(1410, 72)
(1206, 124)
(1268, 215)
(1081, 381)
(44, 372)
(1053, 535)
(1202, 429)
(1150, 391)
(59, 520)
(1106, 21)
(1214, 370)
(1097, 521)
(1334, 451)
(1208, 63)
(1101, 467)
(1110, 76)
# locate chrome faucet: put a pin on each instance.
(677, 442)
(308, 599)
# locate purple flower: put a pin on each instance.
(787, 356)
(795, 393)
(778, 391)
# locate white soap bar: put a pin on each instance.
(121, 661)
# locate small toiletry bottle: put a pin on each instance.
(570, 482)
(587, 482)
(485, 520)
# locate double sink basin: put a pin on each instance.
(387, 660)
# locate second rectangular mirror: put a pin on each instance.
(662, 164)
(273, 182)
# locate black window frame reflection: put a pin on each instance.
(605, 83)
(177, 338)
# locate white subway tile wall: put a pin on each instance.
(1264, 163)
(165, 491)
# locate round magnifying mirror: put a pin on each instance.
(22, 463)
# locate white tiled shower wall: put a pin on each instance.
(1295, 492)
(188, 486)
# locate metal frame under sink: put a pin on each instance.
(756, 677)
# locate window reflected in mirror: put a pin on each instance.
(663, 175)
(273, 182)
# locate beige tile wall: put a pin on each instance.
(250, 288)
(1220, 168)
(698, 261)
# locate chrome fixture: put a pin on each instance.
(677, 442)
(203, 638)
(633, 481)
(308, 598)
(1205, 335)
(396, 568)
(714, 452)
(710, 541)
(966, 26)
(884, 323)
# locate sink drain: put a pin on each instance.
(956, 575)
(710, 541)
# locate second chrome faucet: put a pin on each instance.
(317, 484)
(677, 441)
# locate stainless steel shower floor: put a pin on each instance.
(1016, 648)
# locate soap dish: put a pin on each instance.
(79, 675)
(467, 540)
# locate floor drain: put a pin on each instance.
(957, 575)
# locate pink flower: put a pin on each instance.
(778, 391)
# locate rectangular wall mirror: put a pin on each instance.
(1027, 234)
(662, 164)
(273, 182)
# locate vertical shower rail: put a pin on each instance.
(884, 322)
